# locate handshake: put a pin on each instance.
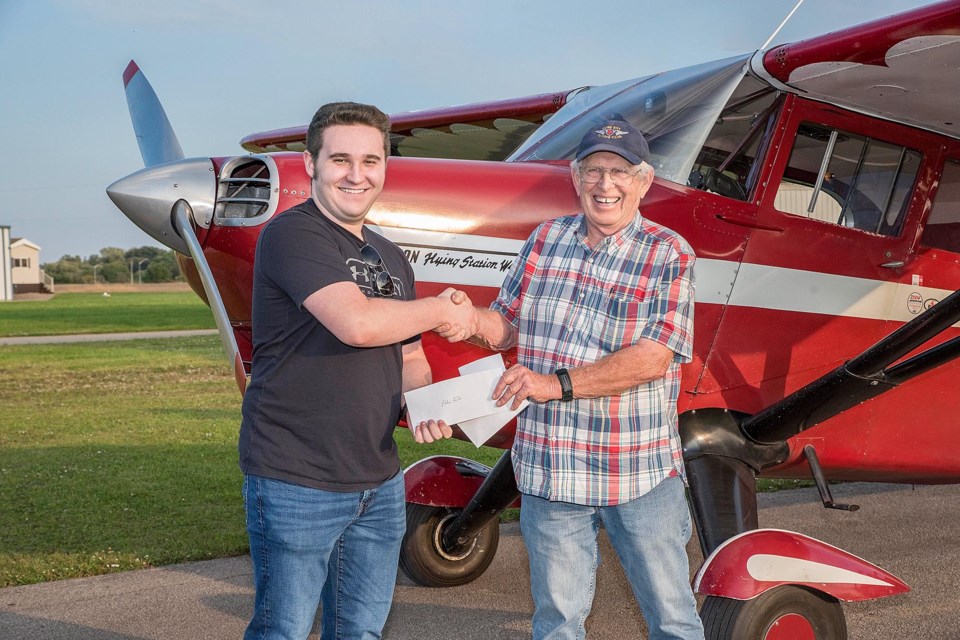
(460, 319)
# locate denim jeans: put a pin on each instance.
(649, 535)
(303, 539)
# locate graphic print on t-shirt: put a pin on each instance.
(363, 276)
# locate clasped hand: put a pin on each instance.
(462, 319)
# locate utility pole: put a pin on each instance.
(131, 272)
(95, 267)
(140, 269)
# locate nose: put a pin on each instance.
(606, 180)
(355, 174)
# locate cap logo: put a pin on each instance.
(611, 132)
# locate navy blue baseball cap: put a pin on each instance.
(615, 136)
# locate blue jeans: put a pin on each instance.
(303, 539)
(649, 535)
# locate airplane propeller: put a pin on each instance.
(158, 143)
(156, 197)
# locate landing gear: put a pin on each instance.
(784, 613)
(425, 558)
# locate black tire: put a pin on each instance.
(426, 563)
(727, 619)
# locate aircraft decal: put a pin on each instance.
(777, 568)
(454, 258)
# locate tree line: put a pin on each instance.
(142, 264)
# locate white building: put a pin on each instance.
(21, 267)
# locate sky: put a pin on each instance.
(226, 68)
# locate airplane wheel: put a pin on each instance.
(424, 559)
(784, 613)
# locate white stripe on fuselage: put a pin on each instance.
(468, 260)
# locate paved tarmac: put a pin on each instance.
(910, 531)
(106, 337)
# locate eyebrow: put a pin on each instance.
(369, 156)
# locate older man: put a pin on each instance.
(600, 308)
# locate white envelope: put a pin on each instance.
(479, 430)
(456, 400)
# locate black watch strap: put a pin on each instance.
(565, 385)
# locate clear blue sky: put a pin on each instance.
(227, 68)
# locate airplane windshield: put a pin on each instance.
(675, 111)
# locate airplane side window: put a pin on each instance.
(942, 230)
(849, 180)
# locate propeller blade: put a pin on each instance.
(158, 143)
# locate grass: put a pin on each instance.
(123, 455)
(67, 313)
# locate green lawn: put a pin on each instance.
(121, 455)
(95, 313)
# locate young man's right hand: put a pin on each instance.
(463, 321)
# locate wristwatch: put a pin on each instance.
(565, 385)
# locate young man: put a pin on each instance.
(336, 342)
(600, 308)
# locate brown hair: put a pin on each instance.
(348, 113)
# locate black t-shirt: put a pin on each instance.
(318, 412)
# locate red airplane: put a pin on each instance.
(819, 184)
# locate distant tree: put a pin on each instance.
(162, 268)
(115, 265)
(115, 271)
(145, 252)
(112, 253)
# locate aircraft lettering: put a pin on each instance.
(505, 264)
(478, 263)
(438, 260)
(411, 255)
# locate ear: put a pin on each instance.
(575, 176)
(308, 163)
(646, 181)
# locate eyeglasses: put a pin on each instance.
(382, 281)
(619, 177)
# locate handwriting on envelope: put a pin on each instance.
(455, 400)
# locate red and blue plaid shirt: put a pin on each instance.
(573, 305)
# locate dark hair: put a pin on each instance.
(347, 113)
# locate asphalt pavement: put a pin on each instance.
(909, 531)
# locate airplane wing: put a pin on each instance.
(902, 68)
(479, 131)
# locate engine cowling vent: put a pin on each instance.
(247, 191)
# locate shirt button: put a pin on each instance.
(581, 296)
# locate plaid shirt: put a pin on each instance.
(574, 305)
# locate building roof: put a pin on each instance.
(18, 242)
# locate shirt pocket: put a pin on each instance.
(619, 323)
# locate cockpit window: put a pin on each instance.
(847, 179)
(676, 111)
